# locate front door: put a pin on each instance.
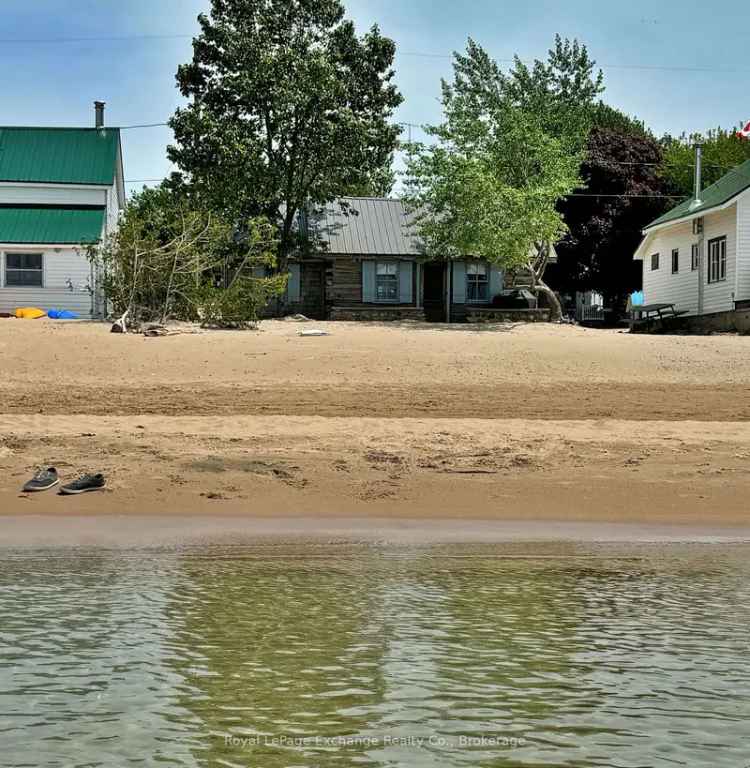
(314, 290)
(433, 295)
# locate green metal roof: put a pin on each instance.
(727, 187)
(59, 155)
(51, 226)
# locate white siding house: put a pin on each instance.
(697, 256)
(61, 190)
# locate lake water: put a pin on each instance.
(375, 656)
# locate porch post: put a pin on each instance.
(448, 289)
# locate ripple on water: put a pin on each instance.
(374, 657)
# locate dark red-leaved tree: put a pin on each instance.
(624, 193)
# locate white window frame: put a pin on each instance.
(717, 260)
(675, 261)
(695, 256)
(388, 277)
(19, 252)
(654, 262)
(476, 279)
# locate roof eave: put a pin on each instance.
(698, 214)
(640, 251)
(78, 244)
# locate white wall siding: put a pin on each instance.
(682, 289)
(67, 275)
(719, 297)
(660, 285)
(743, 248)
(113, 211)
(19, 194)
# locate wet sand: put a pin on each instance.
(523, 538)
(428, 428)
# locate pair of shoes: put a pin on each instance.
(48, 478)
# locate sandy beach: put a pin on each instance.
(386, 422)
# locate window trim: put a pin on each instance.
(654, 262)
(5, 269)
(485, 282)
(675, 261)
(721, 262)
(396, 299)
(695, 256)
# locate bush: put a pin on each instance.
(169, 260)
(237, 306)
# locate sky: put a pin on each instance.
(679, 66)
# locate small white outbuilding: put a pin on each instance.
(697, 255)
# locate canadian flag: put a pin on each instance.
(744, 133)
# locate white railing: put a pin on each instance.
(590, 314)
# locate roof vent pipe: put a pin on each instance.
(99, 111)
(698, 173)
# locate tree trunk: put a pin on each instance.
(537, 269)
(554, 303)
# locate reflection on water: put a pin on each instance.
(345, 656)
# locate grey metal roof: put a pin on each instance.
(366, 226)
(369, 226)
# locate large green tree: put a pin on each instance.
(508, 150)
(288, 106)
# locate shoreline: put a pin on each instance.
(32, 531)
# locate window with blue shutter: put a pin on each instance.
(459, 282)
(405, 282)
(293, 288)
(368, 282)
(386, 282)
(477, 282)
(496, 281)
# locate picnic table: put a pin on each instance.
(647, 314)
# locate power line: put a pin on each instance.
(98, 39)
(417, 54)
(639, 197)
(143, 125)
(159, 125)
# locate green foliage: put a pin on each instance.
(238, 305)
(288, 106)
(561, 91)
(379, 184)
(171, 260)
(722, 151)
(509, 148)
(607, 118)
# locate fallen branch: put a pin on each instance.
(120, 325)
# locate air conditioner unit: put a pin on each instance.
(698, 226)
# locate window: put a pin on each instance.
(23, 269)
(695, 256)
(717, 260)
(386, 281)
(477, 283)
(655, 262)
(675, 261)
